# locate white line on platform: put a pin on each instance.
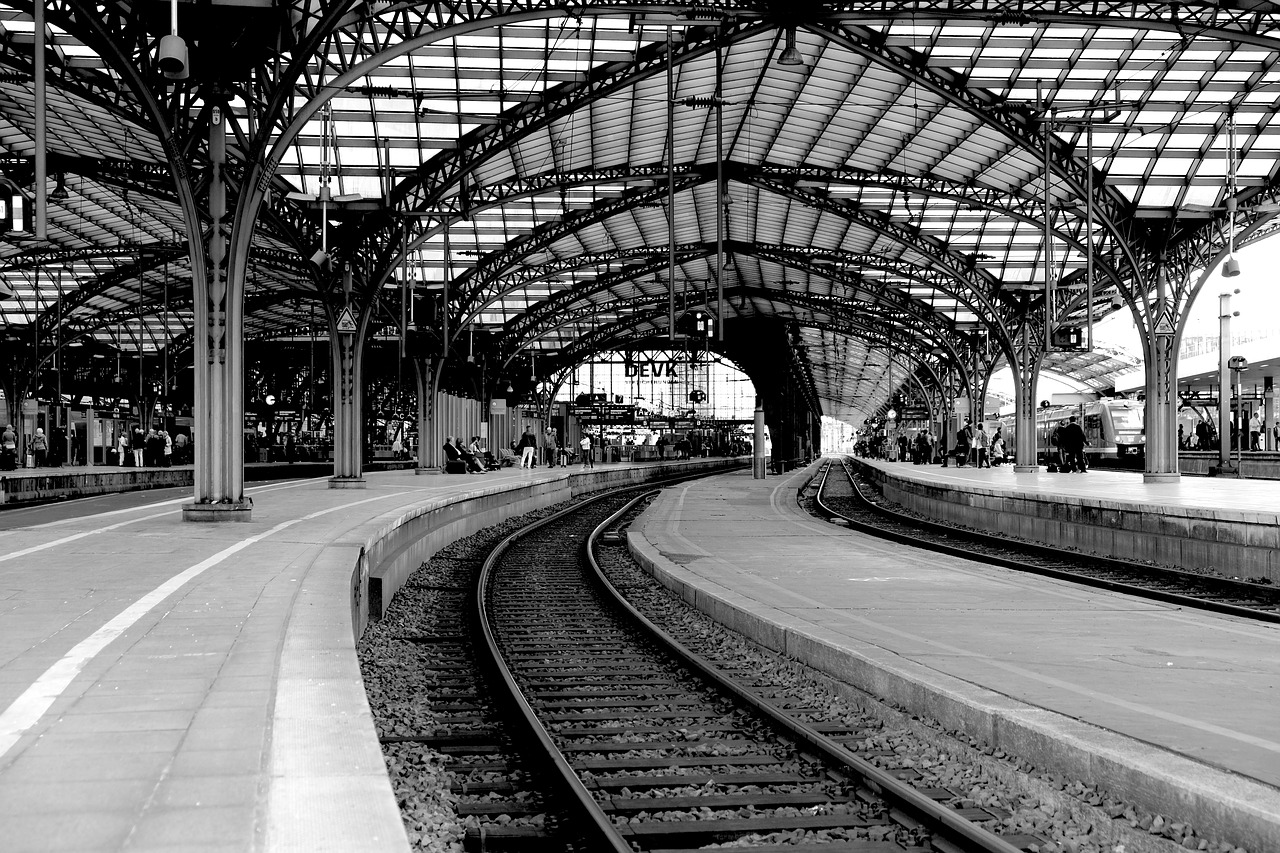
(28, 708)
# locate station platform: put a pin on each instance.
(194, 687)
(1153, 704)
(1229, 526)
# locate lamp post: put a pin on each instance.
(1224, 381)
(1237, 363)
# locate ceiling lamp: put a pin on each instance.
(59, 191)
(790, 55)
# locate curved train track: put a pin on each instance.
(848, 499)
(645, 745)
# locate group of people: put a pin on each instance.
(1204, 436)
(975, 445)
(467, 458)
(526, 447)
(42, 450)
(154, 448)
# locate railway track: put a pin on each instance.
(855, 500)
(647, 746)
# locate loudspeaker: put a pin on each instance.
(1231, 268)
(321, 259)
(173, 57)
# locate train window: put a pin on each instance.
(1092, 423)
(1127, 418)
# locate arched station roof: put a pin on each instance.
(879, 194)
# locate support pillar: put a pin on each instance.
(1268, 414)
(219, 362)
(1026, 377)
(348, 401)
(759, 461)
(1162, 394)
(1225, 463)
(427, 371)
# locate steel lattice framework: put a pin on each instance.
(521, 150)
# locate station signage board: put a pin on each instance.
(684, 424)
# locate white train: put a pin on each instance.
(1115, 429)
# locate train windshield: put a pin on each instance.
(1127, 420)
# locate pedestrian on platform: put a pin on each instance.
(1072, 441)
(1182, 439)
(1057, 458)
(39, 447)
(1202, 435)
(662, 447)
(964, 440)
(997, 446)
(166, 453)
(528, 448)
(584, 447)
(904, 448)
(552, 443)
(138, 444)
(122, 447)
(983, 443)
(8, 448)
(1255, 431)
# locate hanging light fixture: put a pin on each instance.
(790, 55)
(173, 50)
(1231, 267)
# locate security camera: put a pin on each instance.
(173, 57)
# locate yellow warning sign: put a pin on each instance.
(347, 322)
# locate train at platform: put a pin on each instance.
(1114, 428)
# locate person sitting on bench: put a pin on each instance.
(453, 461)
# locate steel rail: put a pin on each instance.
(1109, 563)
(491, 654)
(959, 834)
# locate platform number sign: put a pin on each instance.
(17, 213)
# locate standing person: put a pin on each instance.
(584, 446)
(155, 448)
(904, 447)
(1202, 435)
(8, 448)
(180, 448)
(39, 447)
(983, 442)
(528, 448)
(964, 440)
(1255, 431)
(138, 443)
(551, 443)
(662, 447)
(1071, 439)
(122, 447)
(167, 458)
(1057, 459)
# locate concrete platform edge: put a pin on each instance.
(1218, 803)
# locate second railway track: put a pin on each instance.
(658, 754)
(840, 493)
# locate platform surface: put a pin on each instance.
(1104, 484)
(142, 659)
(1198, 685)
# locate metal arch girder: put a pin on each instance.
(981, 286)
(592, 342)
(93, 86)
(496, 195)
(430, 181)
(812, 302)
(487, 275)
(1111, 208)
(793, 256)
(1019, 207)
(1202, 18)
